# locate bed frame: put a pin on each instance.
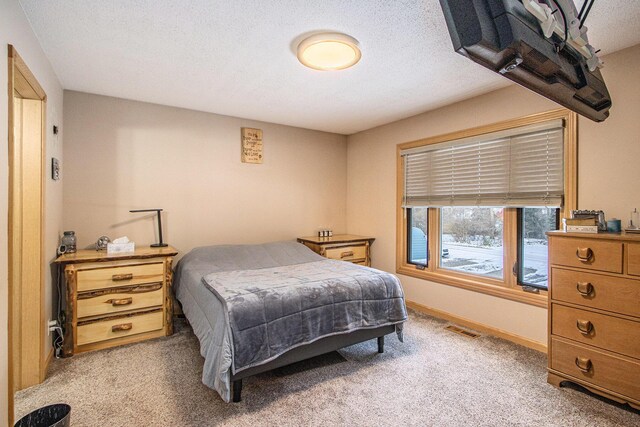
(316, 348)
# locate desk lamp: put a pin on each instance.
(160, 244)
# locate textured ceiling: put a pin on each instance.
(237, 57)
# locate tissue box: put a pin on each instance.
(120, 248)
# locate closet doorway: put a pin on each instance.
(27, 326)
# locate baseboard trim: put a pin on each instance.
(490, 330)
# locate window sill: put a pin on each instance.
(473, 284)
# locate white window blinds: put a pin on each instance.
(516, 167)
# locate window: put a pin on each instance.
(417, 247)
(533, 224)
(487, 196)
(472, 240)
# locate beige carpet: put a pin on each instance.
(435, 378)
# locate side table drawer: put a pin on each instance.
(597, 367)
(588, 254)
(593, 290)
(107, 301)
(607, 332)
(120, 276)
(103, 330)
(347, 253)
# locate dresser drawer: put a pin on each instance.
(119, 299)
(607, 332)
(119, 276)
(633, 258)
(596, 291)
(589, 254)
(120, 327)
(347, 253)
(603, 369)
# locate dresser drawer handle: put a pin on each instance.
(125, 327)
(122, 277)
(585, 288)
(584, 364)
(584, 254)
(584, 326)
(346, 254)
(119, 302)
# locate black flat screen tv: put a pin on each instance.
(504, 37)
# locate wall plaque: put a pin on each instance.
(251, 145)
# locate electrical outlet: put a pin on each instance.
(52, 325)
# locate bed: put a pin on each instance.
(255, 308)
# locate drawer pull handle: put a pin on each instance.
(585, 288)
(584, 326)
(122, 277)
(125, 327)
(346, 254)
(584, 254)
(119, 302)
(584, 364)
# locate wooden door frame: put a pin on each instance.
(19, 74)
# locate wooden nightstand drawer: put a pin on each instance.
(597, 367)
(100, 302)
(603, 331)
(346, 253)
(108, 329)
(343, 247)
(588, 254)
(120, 276)
(594, 290)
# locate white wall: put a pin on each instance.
(15, 30)
(608, 179)
(122, 155)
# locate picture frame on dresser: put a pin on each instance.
(116, 299)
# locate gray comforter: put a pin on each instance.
(232, 270)
(273, 310)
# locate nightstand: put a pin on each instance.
(116, 299)
(344, 247)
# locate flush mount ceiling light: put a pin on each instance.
(329, 51)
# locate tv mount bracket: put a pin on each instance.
(551, 24)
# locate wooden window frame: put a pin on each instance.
(508, 287)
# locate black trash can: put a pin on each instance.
(57, 415)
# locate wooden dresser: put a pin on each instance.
(594, 313)
(116, 299)
(344, 247)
